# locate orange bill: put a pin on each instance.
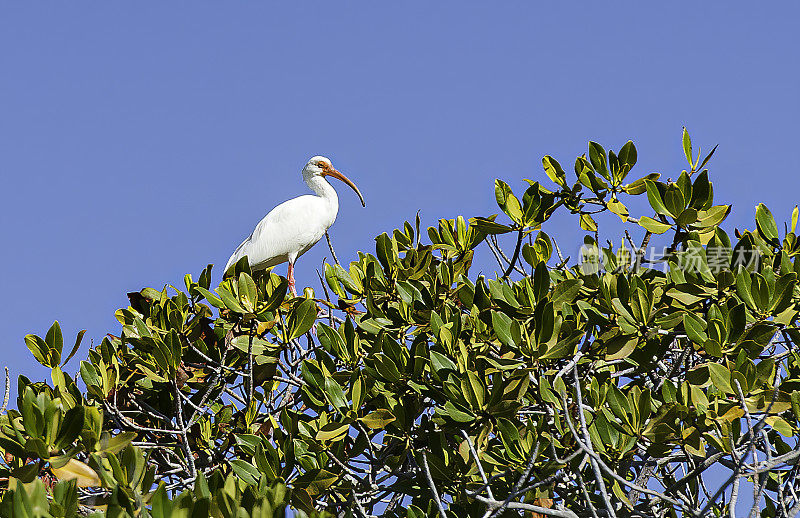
(336, 174)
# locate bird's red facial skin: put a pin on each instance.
(326, 168)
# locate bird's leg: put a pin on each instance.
(291, 278)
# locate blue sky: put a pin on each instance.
(140, 141)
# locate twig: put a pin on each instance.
(431, 485)
(734, 498)
(333, 253)
(494, 252)
(523, 479)
(588, 442)
(515, 256)
(250, 387)
(7, 393)
(563, 513)
(585, 493)
(207, 393)
(327, 297)
(478, 463)
(765, 466)
(187, 447)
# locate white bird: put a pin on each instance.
(294, 226)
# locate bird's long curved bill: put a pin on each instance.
(340, 176)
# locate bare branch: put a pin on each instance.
(330, 245)
(432, 486)
(6, 394)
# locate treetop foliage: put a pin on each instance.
(608, 384)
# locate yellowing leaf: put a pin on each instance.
(618, 208)
(378, 418)
(651, 225)
(713, 216)
(587, 223)
(780, 426)
(78, 471)
(333, 432)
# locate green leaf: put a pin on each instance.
(621, 347)
(507, 201)
(316, 481)
(759, 291)
(655, 199)
(627, 159)
(332, 341)
(687, 147)
(686, 298)
(695, 328)
(781, 426)
(39, 348)
(75, 347)
(687, 217)
(554, 170)
(638, 186)
(55, 342)
(566, 291)
(702, 192)
(71, 427)
(783, 293)
(720, 377)
(651, 225)
(531, 201)
(766, 224)
(713, 348)
(117, 443)
(502, 324)
(278, 294)
(229, 300)
(247, 292)
(357, 394)
(252, 344)
(26, 473)
(488, 226)
(509, 436)
(210, 297)
(597, 156)
(541, 281)
(387, 256)
(707, 158)
(562, 349)
(684, 183)
(335, 394)
(301, 318)
(440, 362)
(674, 201)
(246, 471)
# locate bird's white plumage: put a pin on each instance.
(287, 232)
(294, 226)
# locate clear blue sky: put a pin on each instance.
(140, 141)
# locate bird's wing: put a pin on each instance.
(288, 230)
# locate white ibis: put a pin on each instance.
(294, 226)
